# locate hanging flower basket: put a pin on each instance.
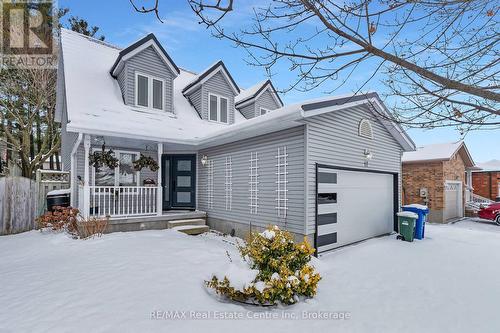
(145, 162)
(102, 158)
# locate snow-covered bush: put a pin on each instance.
(70, 220)
(61, 218)
(273, 270)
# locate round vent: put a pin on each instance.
(365, 129)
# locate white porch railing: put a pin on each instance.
(476, 201)
(121, 201)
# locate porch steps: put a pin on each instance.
(194, 229)
(190, 222)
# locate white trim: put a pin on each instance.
(228, 183)
(281, 182)
(253, 99)
(253, 183)
(117, 169)
(210, 184)
(142, 48)
(218, 97)
(159, 191)
(150, 91)
(72, 174)
(206, 78)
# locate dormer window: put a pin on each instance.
(218, 108)
(149, 91)
(263, 111)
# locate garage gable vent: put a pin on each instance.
(365, 129)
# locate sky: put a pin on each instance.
(192, 47)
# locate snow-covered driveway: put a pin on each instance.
(450, 282)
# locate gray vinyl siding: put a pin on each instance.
(333, 139)
(218, 85)
(265, 100)
(248, 111)
(195, 99)
(122, 82)
(266, 147)
(150, 63)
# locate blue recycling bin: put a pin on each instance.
(422, 212)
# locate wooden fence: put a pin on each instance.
(18, 205)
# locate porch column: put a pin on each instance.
(159, 191)
(86, 178)
(469, 191)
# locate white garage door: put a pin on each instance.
(452, 200)
(352, 206)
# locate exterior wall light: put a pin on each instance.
(368, 155)
(204, 160)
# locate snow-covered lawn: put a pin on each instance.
(50, 283)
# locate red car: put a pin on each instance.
(491, 212)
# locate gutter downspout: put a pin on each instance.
(73, 169)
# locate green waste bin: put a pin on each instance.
(406, 224)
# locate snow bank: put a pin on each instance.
(51, 283)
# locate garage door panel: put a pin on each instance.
(364, 207)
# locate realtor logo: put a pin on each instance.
(27, 29)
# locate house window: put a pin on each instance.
(149, 91)
(123, 175)
(218, 108)
(263, 111)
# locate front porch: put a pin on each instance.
(132, 196)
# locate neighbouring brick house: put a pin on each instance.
(438, 176)
(486, 182)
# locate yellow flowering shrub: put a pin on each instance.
(284, 273)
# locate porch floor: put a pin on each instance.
(154, 222)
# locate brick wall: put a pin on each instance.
(485, 184)
(431, 175)
(419, 175)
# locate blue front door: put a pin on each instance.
(179, 181)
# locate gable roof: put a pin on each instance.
(252, 93)
(439, 152)
(101, 110)
(141, 44)
(372, 99)
(208, 73)
(493, 165)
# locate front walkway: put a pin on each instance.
(448, 282)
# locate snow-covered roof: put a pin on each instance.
(493, 165)
(209, 72)
(439, 152)
(254, 91)
(95, 104)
